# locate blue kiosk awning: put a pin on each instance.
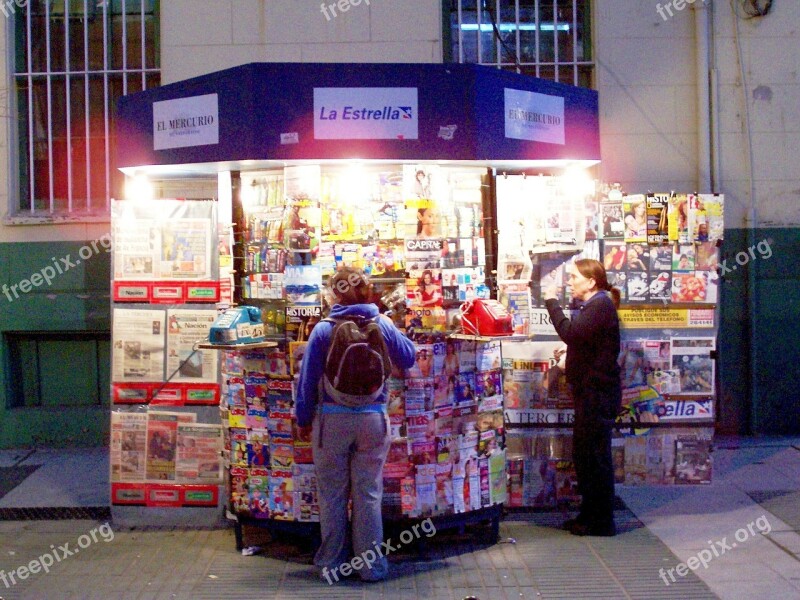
(262, 114)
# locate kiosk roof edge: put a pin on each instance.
(289, 112)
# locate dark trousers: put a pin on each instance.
(591, 453)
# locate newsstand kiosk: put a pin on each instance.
(393, 168)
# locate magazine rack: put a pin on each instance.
(283, 498)
(668, 319)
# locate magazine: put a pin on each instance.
(635, 219)
(613, 226)
(714, 206)
(654, 459)
(640, 359)
(693, 286)
(552, 274)
(660, 286)
(635, 460)
(683, 257)
(657, 221)
(678, 219)
(638, 286)
(661, 258)
(302, 285)
(240, 497)
(614, 255)
(692, 460)
(300, 321)
(258, 492)
(487, 356)
(706, 256)
(691, 357)
(516, 297)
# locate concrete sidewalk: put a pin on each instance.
(756, 483)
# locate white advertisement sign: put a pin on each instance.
(186, 122)
(541, 324)
(366, 114)
(535, 117)
(685, 410)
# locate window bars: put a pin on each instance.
(546, 38)
(73, 60)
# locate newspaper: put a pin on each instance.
(138, 345)
(185, 249)
(134, 248)
(162, 433)
(169, 248)
(128, 446)
(184, 329)
(198, 453)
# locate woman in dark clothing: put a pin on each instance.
(592, 338)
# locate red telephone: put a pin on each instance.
(485, 317)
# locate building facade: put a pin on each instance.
(694, 96)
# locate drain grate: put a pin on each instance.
(56, 513)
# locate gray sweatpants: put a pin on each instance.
(349, 464)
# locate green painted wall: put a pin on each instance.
(773, 387)
(77, 300)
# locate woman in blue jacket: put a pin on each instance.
(349, 444)
(592, 371)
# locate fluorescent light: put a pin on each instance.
(514, 27)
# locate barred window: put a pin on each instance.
(545, 38)
(73, 59)
(50, 369)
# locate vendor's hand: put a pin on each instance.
(549, 293)
(304, 433)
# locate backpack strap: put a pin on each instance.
(358, 320)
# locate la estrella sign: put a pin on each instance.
(366, 114)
